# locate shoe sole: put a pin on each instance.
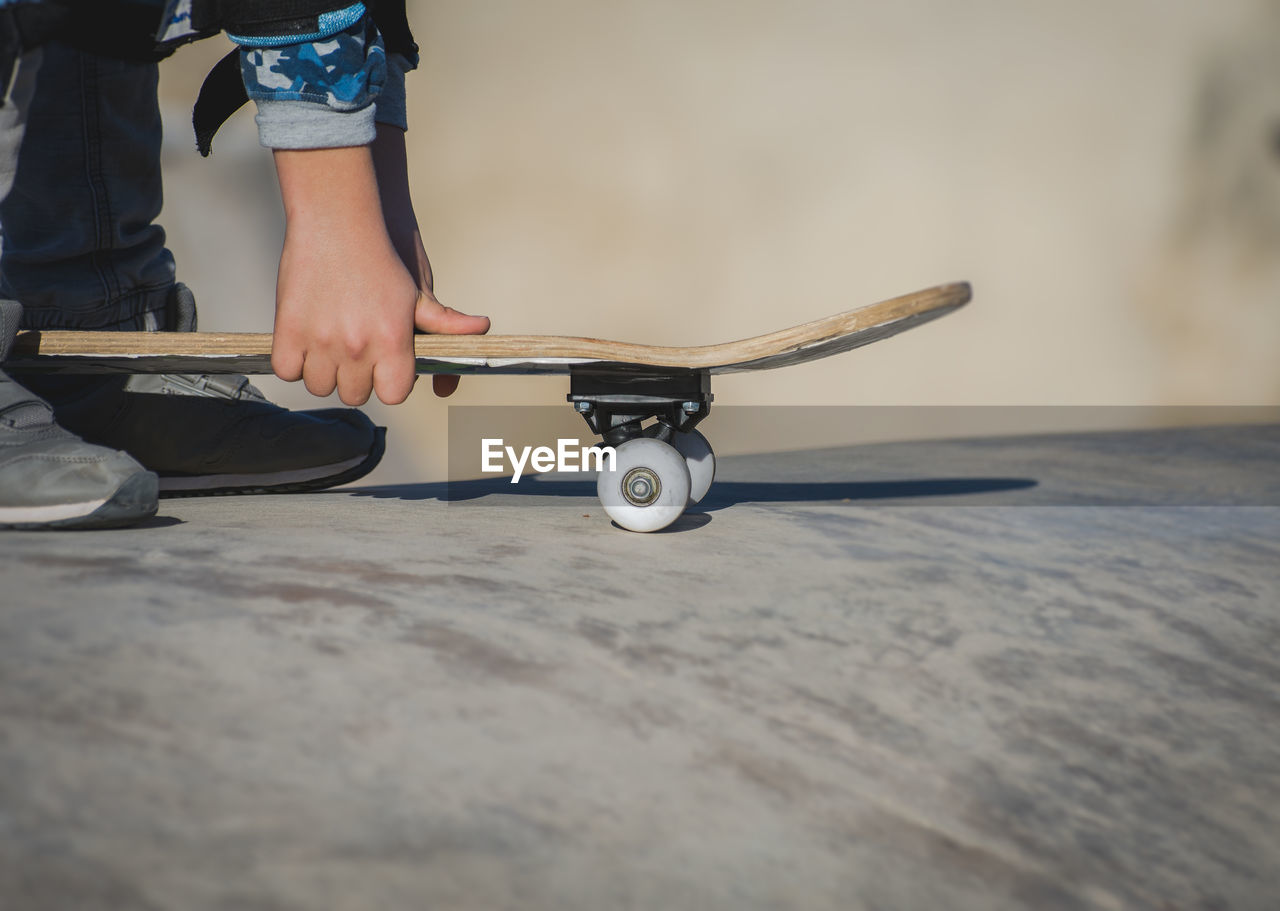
(319, 478)
(133, 501)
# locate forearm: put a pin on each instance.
(354, 280)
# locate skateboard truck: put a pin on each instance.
(656, 470)
(614, 405)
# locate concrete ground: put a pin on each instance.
(1031, 673)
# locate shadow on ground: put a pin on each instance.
(722, 493)
(1220, 465)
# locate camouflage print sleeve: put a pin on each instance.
(318, 93)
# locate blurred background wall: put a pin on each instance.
(1106, 174)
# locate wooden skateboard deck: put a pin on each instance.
(250, 353)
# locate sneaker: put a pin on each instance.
(50, 478)
(208, 435)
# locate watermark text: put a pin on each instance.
(568, 455)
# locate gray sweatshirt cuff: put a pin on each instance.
(390, 105)
(308, 125)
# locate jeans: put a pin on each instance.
(80, 159)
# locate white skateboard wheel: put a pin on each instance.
(647, 487)
(701, 461)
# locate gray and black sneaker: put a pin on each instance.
(214, 434)
(51, 479)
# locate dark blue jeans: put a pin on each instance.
(80, 158)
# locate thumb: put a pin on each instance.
(430, 315)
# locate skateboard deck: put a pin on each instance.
(62, 351)
(644, 401)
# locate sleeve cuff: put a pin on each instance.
(307, 125)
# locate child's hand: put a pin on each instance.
(346, 302)
(344, 312)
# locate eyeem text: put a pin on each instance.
(568, 455)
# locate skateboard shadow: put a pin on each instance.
(722, 493)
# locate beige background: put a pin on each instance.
(1106, 174)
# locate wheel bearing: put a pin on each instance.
(641, 486)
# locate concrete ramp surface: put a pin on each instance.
(1034, 673)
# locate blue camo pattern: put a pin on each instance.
(344, 72)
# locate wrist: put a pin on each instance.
(319, 186)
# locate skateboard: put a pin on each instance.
(657, 469)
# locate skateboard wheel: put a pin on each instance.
(700, 460)
(647, 487)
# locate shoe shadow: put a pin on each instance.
(722, 493)
(158, 522)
